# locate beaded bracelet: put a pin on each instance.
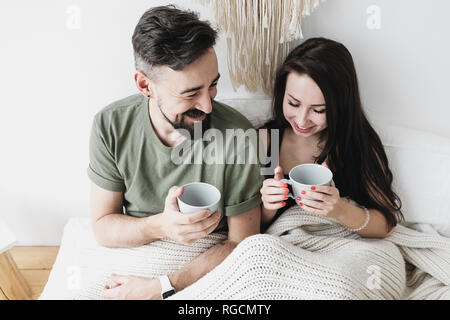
(365, 222)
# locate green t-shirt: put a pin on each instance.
(127, 156)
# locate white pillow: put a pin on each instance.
(420, 164)
(257, 111)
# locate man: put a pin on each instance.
(132, 142)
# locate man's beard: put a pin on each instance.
(180, 121)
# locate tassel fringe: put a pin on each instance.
(259, 34)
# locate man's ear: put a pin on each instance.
(142, 83)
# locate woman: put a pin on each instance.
(317, 108)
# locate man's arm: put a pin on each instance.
(116, 230)
(142, 288)
(240, 227)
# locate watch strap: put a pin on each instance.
(166, 287)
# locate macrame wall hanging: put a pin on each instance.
(259, 34)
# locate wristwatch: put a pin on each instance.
(166, 287)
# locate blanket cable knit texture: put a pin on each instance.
(301, 256)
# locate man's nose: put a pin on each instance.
(205, 104)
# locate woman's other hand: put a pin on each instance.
(274, 194)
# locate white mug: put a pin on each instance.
(304, 176)
(199, 196)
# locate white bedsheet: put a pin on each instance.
(67, 276)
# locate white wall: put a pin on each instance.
(54, 78)
(404, 66)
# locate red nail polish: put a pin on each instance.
(313, 188)
(286, 190)
(301, 204)
(285, 185)
(286, 196)
(303, 192)
(284, 203)
(299, 199)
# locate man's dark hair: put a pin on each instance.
(167, 36)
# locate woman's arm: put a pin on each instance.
(330, 204)
(268, 210)
(266, 216)
(354, 217)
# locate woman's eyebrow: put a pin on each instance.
(216, 79)
(293, 98)
(313, 105)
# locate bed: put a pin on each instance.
(81, 263)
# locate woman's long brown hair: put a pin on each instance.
(353, 149)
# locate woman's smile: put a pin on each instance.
(303, 130)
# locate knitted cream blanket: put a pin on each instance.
(301, 256)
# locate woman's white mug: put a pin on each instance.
(198, 196)
(304, 176)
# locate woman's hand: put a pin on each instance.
(273, 196)
(274, 192)
(328, 200)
